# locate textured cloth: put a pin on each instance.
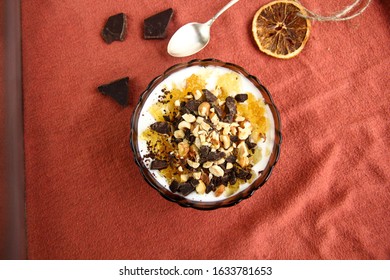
(327, 198)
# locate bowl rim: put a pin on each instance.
(179, 199)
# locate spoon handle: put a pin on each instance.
(227, 6)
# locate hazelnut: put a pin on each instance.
(226, 141)
(197, 175)
(184, 124)
(183, 149)
(189, 118)
(201, 187)
(179, 134)
(197, 94)
(216, 170)
(204, 109)
(219, 190)
(193, 164)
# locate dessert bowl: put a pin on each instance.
(205, 134)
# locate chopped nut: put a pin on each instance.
(180, 168)
(184, 124)
(226, 141)
(205, 126)
(201, 187)
(195, 130)
(242, 150)
(183, 149)
(197, 175)
(243, 161)
(207, 164)
(177, 103)
(189, 118)
(184, 177)
(197, 94)
(199, 120)
(214, 118)
(243, 133)
(216, 170)
(240, 119)
(220, 161)
(204, 109)
(197, 143)
(188, 96)
(193, 164)
(219, 190)
(233, 130)
(229, 165)
(179, 134)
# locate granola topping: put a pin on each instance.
(206, 140)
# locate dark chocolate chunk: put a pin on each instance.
(186, 188)
(115, 28)
(155, 27)
(232, 178)
(167, 118)
(158, 164)
(250, 144)
(191, 139)
(231, 159)
(214, 156)
(241, 97)
(193, 182)
(225, 179)
(230, 108)
(174, 186)
(218, 111)
(234, 138)
(118, 90)
(209, 96)
(243, 174)
(193, 105)
(209, 187)
(204, 151)
(161, 127)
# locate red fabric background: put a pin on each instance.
(328, 197)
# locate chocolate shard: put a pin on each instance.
(161, 127)
(186, 188)
(118, 90)
(241, 97)
(158, 164)
(231, 159)
(230, 108)
(209, 96)
(155, 27)
(115, 28)
(193, 105)
(174, 186)
(250, 144)
(193, 182)
(243, 174)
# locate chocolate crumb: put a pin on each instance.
(118, 90)
(155, 27)
(115, 28)
(241, 97)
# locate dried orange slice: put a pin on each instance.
(279, 30)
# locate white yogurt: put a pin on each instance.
(178, 80)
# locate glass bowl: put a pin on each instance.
(162, 187)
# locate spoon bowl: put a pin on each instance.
(189, 39)
(193, 37)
